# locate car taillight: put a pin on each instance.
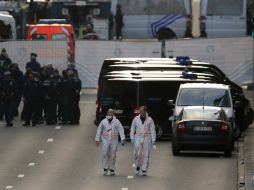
(180, 127)
(224, 128)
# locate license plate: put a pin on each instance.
(118, 111)
(203, 128)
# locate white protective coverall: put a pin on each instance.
(108, 133)
(143, 134)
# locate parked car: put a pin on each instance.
(202, 128)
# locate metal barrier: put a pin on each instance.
(233, 55)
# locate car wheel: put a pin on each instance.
(233, 145)
(237, 131)
(165, 33)
(175, 149)
(228, 152)
(159, 131)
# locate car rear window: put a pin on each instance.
(204, 97)
(201, 114)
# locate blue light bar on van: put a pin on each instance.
(189, 75)
(185, 62)
(179, 58)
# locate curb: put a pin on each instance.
(240, 164)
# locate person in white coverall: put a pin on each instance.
(143, 136)
(107, 132)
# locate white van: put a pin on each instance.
(8, 27)
(223, 18)
(155, 18)
(205, 94)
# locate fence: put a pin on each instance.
(233, 55)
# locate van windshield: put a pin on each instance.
(225, 7)
(152, 7)
(204, 97)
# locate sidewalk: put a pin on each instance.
(248, 150)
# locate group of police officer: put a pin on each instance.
(46, 94)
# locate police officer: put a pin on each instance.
(143, 136)
(49, 87)
(32, 97)
(18, 77)
(73, 88)
(65, 98)
(59, 93)
(119, 22)
(33, 64)
(4, 59)
(8, 90)
(107, 132)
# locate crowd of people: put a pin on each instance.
(47, 95)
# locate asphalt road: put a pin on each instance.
(66, 158)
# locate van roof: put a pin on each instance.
(35, 25)
(204, 85)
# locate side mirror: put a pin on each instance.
(170, 103)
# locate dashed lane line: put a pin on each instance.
(50, 140)
(124, 188)
(9, 187)
(58, 127)
(130, 177)
(41, 152)
(31, 164)
(21, 176)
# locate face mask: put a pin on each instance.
(109, 117)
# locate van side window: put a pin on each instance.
(62, 37)
(39, 37)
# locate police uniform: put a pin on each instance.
(32, 97)
(49, 87)
(8, 91)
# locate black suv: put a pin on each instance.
(127, 83)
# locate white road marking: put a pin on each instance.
(41, 152)
(31, 164)
(50, 140)
(21, 175)
(130, 177)
(9, 187)
(124, 188)
(58, 127)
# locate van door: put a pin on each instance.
(224, 18)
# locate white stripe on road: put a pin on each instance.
(9, 187)
(50, 140)
(41, 152)
(31, 164)
(58, 127)
(124, 188)
(130, 177)
(21, 175)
